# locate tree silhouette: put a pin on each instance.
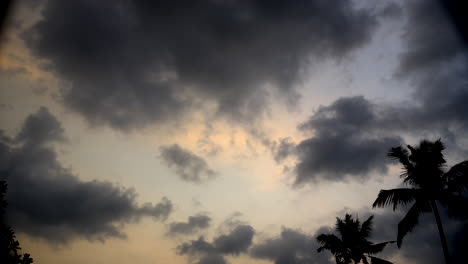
(353, 246)
(9, 246)
(423, 170)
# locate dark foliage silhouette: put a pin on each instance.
(353, 246)
(9, 247)
(423, 170)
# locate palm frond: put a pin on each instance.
(410, 220)
(401, 155)
(376, 248)
(375, 260)
(330, 242)
(395, 197)
(457, 177)
(366, 227)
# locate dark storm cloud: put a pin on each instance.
(188, 166)
(352, 135)
(237, 241)
(291, 247)
(432, 41)
(435, 60)
(132, 63)
(193, 224)
(348, 141)
(48, 201)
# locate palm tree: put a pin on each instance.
(423, 170)
(353, 246)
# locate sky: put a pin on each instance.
(222, 131)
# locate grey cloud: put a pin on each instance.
(40, 128)
(194, 224)
(283, 149)
(391, 10)
(291, 247)
(195, 247)
(349, 141)
(48, 201)
(134, 63)
(436, 62)
(188, 166)
(432, 41)
(352, 135)
(203, 251)
(237, 241)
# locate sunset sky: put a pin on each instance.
(221, 131)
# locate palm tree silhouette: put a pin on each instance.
(423, 170)
(353, 246)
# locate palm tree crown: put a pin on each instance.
(353, 246)
(424, 171)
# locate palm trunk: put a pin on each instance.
(443, 240)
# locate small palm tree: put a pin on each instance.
(353, 246)
(423, 170)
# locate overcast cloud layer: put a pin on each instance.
(132, 63)
(48, 201)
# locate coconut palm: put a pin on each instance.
(423, 171)
(353, 246)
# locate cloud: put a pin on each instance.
(435, 61)
(194, 224)
(188, 166)
(349, 141)
(391, 10)
(350, 137)
(291, 247)
(424, 52)
(283, 149)
(40, 128)
(48, 201)
(237, 241)
(132, 63)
